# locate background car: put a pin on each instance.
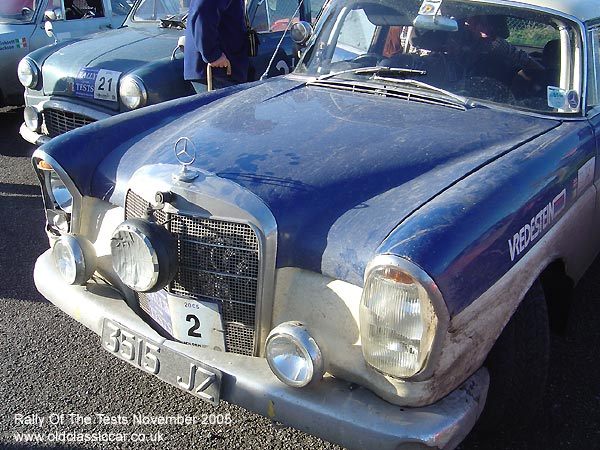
(374, 248)
(140, 65)
(22, 30)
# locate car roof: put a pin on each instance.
(583, 10)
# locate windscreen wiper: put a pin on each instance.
(427, 87)
(375, 70)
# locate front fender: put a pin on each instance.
(163, 79)
(469, 236)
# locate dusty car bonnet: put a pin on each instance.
(326, 162)
(121, 50)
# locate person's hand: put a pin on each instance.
(221, 61)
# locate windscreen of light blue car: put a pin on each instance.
(18, 11)
(150, 10)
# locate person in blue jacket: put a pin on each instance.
(216, 34)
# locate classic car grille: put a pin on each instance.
(57, 122)
(218, 260)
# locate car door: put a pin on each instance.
(271, 18)
(75, 18)
(593, 103)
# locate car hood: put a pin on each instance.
(121, 50)
(338, 170)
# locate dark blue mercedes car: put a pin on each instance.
(76, 82)
(373, 248)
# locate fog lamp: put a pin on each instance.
(75, 258)
(293, 355)
(33, 119)
(144, 255)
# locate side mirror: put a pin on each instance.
(50, 16)
(50, 30)
(301, 32)
(180, 47)
(53, 15)
(435, 22)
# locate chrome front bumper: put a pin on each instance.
(330, 409)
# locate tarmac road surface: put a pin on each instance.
(57, 384)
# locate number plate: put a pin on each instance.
(95, 83)
(188, 320)
(175, 368)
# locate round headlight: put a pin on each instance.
(293, 355)
(132, 92)
(28, 73)
(32, 118)
(144, 255)
(75, 258)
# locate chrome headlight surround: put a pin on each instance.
(28, 73)
(75, 258)
(293, 355)
(61, 197)
(32, 118)
(132, 92)
(402, 318)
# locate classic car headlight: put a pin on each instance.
(75, 258)
(55, 187)
(398, 320)
(293, 355)
(132, 92)
(144, 255)
(28, 73)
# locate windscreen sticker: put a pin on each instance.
(573, 99)
(11, 44)
(430, 7)
(557, 97)
(99, 84)
(537, 225)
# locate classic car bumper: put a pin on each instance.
(330, 409)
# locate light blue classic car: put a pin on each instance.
(22, 30)
(138, 65)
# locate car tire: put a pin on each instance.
(518, 367)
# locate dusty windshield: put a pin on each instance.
(151, 10)
(503, 54)
(17, 11)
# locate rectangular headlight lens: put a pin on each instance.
(397, 322)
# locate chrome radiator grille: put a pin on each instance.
(218, 260)
(57, 122)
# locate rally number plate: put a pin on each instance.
(175, 368)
